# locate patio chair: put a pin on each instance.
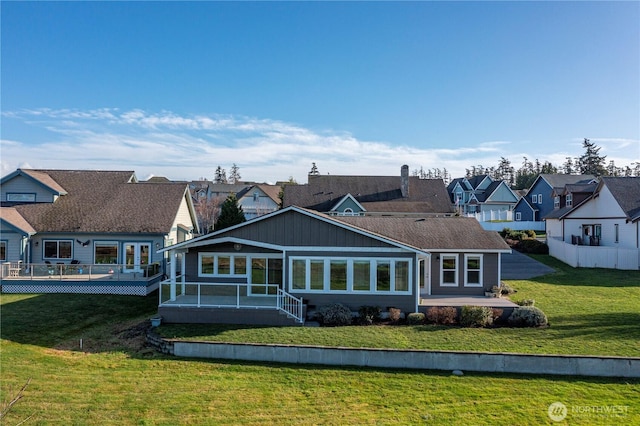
(50, 269)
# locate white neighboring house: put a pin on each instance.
(607, 220)
(259, 199)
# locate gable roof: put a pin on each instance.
(39, 176)
(106, 202)
(626, 191)
(435, 234)
(560, 180)
(523, 200)
(271, 191)
(375, 193)
(11, 216)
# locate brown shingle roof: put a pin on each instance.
(438, 233)
(105, 202)
(11, 215)
(375, 193)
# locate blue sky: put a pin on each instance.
(177, 88)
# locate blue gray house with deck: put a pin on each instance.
(87, 231)
(273, 269)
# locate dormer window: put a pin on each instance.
(256, 196)
(556, 202)
(569, 202)
(15, 197)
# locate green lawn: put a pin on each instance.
(114, 379)
(591, 312)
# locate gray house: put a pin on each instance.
(294, 260)
(343, 195)
(89, 231)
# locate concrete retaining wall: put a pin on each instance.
(415, 359)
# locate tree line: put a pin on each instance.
(589, 163)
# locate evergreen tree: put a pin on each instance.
(234, 174)
(230, 214)
(314, 170)
(220, 176)
(567, 167)
(591, 162)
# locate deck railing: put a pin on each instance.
(230, 295)
(290, 305)
(75, 272)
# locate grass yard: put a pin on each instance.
(115, 379)
(591, 312)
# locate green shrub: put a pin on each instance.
(526, 302)
(444, 315)
(532, 247)
(530, 233)
(394, 314)
(415, 318)
(476, 316)
(527, 316)
(505, 232)
(335, 315)
(369, 314)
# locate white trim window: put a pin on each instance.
(449, 270)
(556, 202)
(539, 198)
(518, 216)
(569, 200)
(3, 250)
(105, 252)
(350, 275)
(57, 249)
(473, 270)
(616, 230)
(222, 265)
(534, 199)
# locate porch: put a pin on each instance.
(16, 277)
(188, 302)
(456, 301)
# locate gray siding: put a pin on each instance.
(15, 244)
(85, 254)
(294, 229)
(489, 276)
(24, 185)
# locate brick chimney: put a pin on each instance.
(404, 181)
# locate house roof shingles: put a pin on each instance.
(438, 233)
(105, 202)
(15, 219)
(375, 193)
(626, 191)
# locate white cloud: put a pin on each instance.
(190, 147)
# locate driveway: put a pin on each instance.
(517, 266)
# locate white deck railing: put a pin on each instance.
(230, 295)
(75, 272)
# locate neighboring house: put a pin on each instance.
(83, 225)
(540, 199)
(294, 260)
(371, 195)
(255, 199)
(565, 200)
(481, 194)
(609, 217)
(259, 199)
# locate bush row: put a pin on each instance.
(526, 315)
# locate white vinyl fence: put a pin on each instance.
(498, 220)
(594, 256)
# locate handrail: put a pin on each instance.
(231, 295)
(290, 305)
(76, 271)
